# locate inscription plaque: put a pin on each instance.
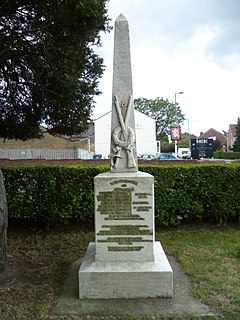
(124, 217)
(117, 204)
(123, 203)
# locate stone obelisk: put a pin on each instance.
(123, 139)
(125, 261)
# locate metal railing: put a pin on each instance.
(76, 153)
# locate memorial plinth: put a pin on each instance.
(125, 280)
(125, 261)
(124, 221)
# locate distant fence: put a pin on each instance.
(45, 154)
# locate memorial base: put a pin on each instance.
(116, 280)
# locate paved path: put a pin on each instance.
(182, 303)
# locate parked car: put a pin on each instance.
(166, 156)
(184, 153)
(147, 156)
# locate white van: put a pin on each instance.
(184, 153)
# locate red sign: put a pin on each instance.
(175, 133)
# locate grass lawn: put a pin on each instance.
(38, 262)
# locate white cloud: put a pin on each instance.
(190, 46)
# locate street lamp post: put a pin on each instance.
(175, 100)
(180, 92)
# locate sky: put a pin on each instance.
(190, 46)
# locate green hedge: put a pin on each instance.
(51, 195)
(226, 155)
(200, 192)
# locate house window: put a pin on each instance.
(158, 147)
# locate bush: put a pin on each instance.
(202, 192)
(50, 195)
(226, 155)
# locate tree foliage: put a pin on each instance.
(185, 141)
(163, 111)
(236, 145)
(217, 145)
(49, 71)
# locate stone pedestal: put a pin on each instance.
(123, 280)
(125, 261)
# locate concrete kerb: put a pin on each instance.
(181, 305)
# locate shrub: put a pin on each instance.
(196, 193)
(50, 195)
(60, 194)
(226, 155)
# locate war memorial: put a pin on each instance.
(125, 272)
(125, 261)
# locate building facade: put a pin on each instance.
(49, 147)
(145, 134)
(215, 135)
(231, 136)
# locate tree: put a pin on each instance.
(3, 223)
(184, 142)
(217, 145)
(163, 111)
(236, 145)
(49, 72)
